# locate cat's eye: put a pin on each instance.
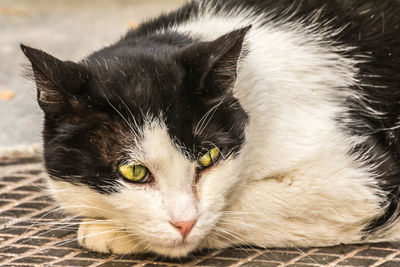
(134, 172)
(209, 158)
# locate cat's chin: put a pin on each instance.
(180, 250)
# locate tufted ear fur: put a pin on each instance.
(61, 85)
(210, 67)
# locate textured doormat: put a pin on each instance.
(34, 233)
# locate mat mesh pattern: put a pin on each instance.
(34, 233)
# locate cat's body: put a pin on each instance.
(303, 106)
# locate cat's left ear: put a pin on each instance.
(61, 85)
(210, 67)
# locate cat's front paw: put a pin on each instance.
(105, 237)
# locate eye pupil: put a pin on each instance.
(209, 158)
(139, 171)
(133, 173)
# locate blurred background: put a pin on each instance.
(67, 29)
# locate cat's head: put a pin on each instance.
(145, 133)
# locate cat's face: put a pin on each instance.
(147, 135)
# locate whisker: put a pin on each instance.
(202, 124)
(131, 114)
(235, 236)
(40, 218)
(120, 114)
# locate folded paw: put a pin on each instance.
(105, 237)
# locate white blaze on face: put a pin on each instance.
(173, 174)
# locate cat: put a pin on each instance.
(264, 123)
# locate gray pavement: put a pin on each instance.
(68, 29)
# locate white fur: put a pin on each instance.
(293, 183)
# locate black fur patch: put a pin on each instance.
(376, 33)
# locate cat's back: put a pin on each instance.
(358, 20)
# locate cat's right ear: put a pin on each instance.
(60, 84)
(211, 67)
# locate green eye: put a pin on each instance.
(134, 173)
(209, 158)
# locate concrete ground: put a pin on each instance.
(68, 29)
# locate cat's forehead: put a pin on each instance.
(138, 83)
(156, 148)
(136, 72)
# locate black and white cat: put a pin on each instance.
(261, 122)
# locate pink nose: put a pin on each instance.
(184, 227)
